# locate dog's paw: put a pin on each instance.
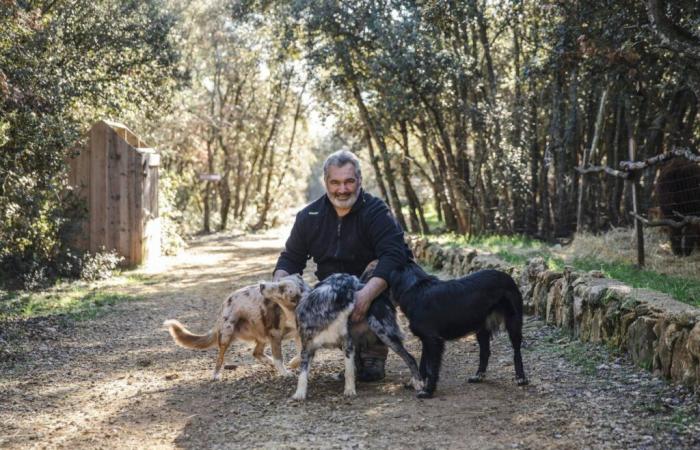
(286, 374)
(522, 381)
(299, 396)
(216, 376)
(424, 394)
(350, 392)
(478, 378)
(418, 385)
(295, 363)
(414, 384)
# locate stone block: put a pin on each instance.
(683, 364)
(640, 340)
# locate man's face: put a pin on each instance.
(342, 186)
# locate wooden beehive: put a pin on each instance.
(117, 176)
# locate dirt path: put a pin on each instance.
(119, 382)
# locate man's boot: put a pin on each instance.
(371, 361)
(370, 355)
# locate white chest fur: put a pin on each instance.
(335, 333)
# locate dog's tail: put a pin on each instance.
(184, 338)
(494, 322)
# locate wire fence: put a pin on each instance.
(675, 202)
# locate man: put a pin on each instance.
(344, 231)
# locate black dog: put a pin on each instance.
(439, 311)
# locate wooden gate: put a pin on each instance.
(117, 176)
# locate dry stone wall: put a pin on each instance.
(659, 333)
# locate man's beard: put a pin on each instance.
(345, 203)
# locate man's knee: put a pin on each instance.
(375, 350)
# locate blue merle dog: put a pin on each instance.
(323, 321)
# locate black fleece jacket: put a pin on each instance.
(345, 244)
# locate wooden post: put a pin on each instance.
(122, 199)
(634, 180)
(114, 201)
(99, 188)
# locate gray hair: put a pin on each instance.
(339, 159)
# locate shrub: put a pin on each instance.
(99, 266)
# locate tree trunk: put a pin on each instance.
(443, 208)
(561, 167)
(589, 155)
(446, 158)
(534, 153)
(418, 223)
(374, 133)
(374, 159)
(208, 188)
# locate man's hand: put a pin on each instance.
(279, 273)
(362, 304)
(365, 296)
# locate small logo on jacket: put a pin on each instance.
(313, 213)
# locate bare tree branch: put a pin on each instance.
(677, 38)
(606, 169)
(684, 220)
(628, 166)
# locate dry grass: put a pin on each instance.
(620, 246)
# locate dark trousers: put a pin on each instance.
(367, 344)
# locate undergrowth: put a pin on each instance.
(74, 300)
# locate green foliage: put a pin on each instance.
(683, 289)
(174, 212)
(500, 99)
(431, 217)
(237, 118)
(519, 249)
(76, 300)
(99, 266)
(515, 249)
(62, 65)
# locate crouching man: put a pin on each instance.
(344, 231)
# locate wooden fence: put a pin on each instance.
(117, 176)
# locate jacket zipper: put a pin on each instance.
(337, 248)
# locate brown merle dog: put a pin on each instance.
(255, 314)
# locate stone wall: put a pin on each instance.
(659, 333)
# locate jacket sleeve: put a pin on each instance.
(293, 257)
(388, 241)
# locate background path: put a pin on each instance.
(118, 381)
